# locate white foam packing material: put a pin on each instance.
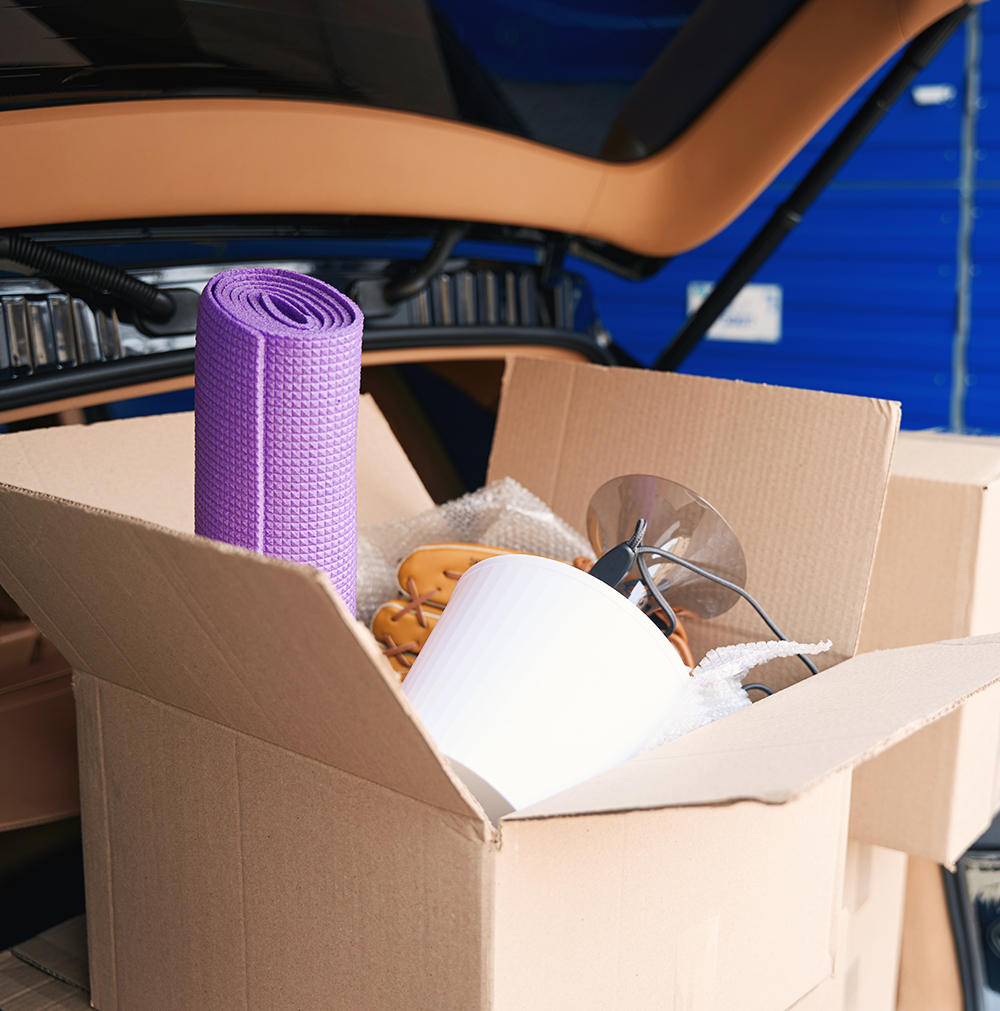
(501, 515)
(715, 688)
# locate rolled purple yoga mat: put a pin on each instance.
(277, 378)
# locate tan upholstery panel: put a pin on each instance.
(251, 156)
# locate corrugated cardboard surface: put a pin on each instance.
(937, 569)
(152, 610)
(936, 576)
(799, 475)
(37, 730)
(257, 644)
(848, 716)
(928, 973)
(25, 988)
(825, 997)
(209, 648)
(868, 934)
(47, 972)
(874, 886)
(262, 878)
(985, 612)
(924, 572)
(317, 909)
(867, 956)
(60, 951)
(38, 753)
(18, 640)
(936, 792)
(773, 750)
(144, 467)
(699, 907)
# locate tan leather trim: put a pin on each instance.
(690, 191)
(248, 156)
(473, 353)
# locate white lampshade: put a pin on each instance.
(539, 676)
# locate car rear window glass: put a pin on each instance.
(560, 72)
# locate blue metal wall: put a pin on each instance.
(869, 277)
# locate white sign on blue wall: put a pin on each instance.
(753, 316)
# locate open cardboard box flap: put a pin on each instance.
(253, 643)
(144, 468)
(775, 748)
(799, 475)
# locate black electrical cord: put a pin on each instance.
(758, 687)
(705, 574)
(647, 578)
(148, 300)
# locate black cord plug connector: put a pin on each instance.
(613, 566)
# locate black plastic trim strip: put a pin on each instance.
(96, 378)
(615, 259)
(101, 376)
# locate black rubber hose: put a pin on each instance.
(149, 301)
(437, 256)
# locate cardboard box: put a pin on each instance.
(929, 978)
(937, 568)
(267, 824)
(37, 730)
(937, 576)
(866, 965)
(799, 476)
(48, 972)
(875, 886)
(38, 747)
(18, 641)
(25, 988)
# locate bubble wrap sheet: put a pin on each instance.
(277, 380)
(501, 515)
(715, 689)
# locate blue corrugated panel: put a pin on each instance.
(983, 403)
(869, 277)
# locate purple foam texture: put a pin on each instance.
(277, 380)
